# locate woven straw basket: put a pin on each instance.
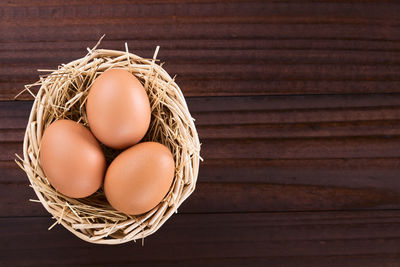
(63, 94)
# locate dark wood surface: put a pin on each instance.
(297, 106)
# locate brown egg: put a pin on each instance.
(139, 178)
(118, 109)
(72, 159)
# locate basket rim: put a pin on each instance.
(162, 211)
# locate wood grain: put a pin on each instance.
(308, 239)
(297, 105)
(262, 148)
(238, 198)
(258, 187)
(227, 48)
(267, 153)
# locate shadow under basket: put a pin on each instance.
(62, 95)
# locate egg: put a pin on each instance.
(139, 178)
(72, 159)
(118, 109)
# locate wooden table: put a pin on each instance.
(297, 106)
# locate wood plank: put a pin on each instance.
(281, 239)
(315, 148)
(273, 130)
(366, 9)
(277, 148)
(233, 55)
(355, 11)
(344, 3)
(290, 45)
(351, 173)
(312, 111)
(113, 11)
(253, 103)
(222, 197)
(11, 86)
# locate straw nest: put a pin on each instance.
(62, 95)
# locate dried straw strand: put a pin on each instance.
(62, 95)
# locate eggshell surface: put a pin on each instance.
(118, 109)
(139, 178)
(72, 159)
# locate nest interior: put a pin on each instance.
(62, 95)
